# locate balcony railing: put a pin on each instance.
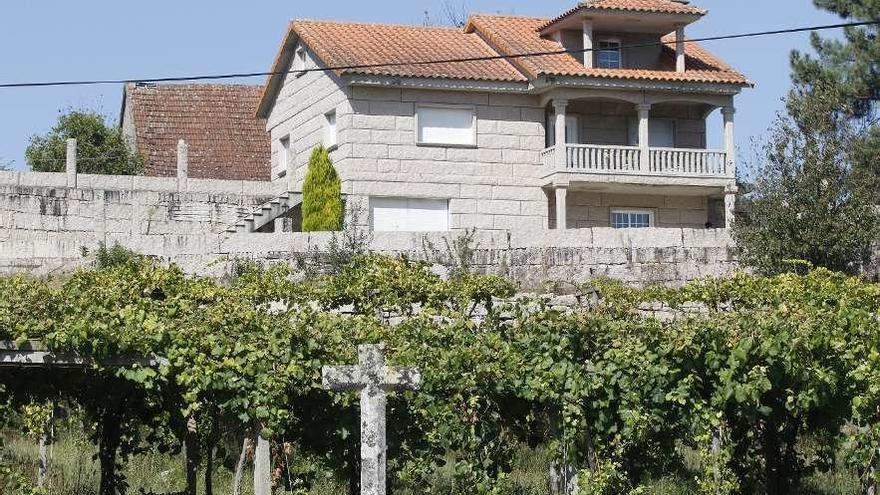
(600, 159)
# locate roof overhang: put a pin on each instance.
(620, 20)
(276, 79)
(585, 82)
(438, 83)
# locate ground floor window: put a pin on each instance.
(409, 214)
(632, 219)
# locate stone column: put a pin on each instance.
(182, 165)
(679, 49)
(71, 163)
(561, 155)
(262, 466)
(561, 205)
(589, 54)
(644, 110)
(729, 140)
(730, 205)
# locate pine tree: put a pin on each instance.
(322, 208)
(850, 66)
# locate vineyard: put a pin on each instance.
(742, 385)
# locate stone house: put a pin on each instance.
(594, 118)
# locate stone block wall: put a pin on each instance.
(40, 217)
(592, 209)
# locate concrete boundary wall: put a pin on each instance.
(663, 256)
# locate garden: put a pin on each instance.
(731, 386)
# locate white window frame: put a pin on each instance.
(300, 59)
(371, 205)
(331, 131)
(600, 50)
(632, 211)
(471, 108)
(284, 145)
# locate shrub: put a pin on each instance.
(322, 209)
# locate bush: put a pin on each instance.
(322, 208)
(100, 149)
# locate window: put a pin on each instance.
(662, 133)
(284, 158)
(299, 61)
(609, 54)
(330, 139)
(632, 219)
(409, 215)
(442, 125)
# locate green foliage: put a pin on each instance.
(766, 379)
(115, 256)
(322, 208)
(848, 64)
(808, 204)
(101, 149)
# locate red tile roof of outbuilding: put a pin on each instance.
(225, 139)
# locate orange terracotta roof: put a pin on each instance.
(341, 44)
(514, 34)
(225, 140)
(651, 6)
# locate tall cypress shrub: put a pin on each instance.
(322, 209)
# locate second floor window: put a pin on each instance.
(299, 61)
(609, 55)
(446, 125)
(330, 139)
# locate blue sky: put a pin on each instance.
(63, 39)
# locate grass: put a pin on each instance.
(73, 471)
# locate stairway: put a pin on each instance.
(266, 213)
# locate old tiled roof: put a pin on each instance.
(225, 139)
(513, 34)
(341, 44)
(652, 6)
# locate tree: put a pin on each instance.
(809, 204)
(322, 195)
(100, 149)
(850, 66)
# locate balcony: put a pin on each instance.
(601, 160)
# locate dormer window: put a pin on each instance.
(609, 55)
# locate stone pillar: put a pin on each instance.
(589, 54)
(644, 110)
(71, 163)
(182, 165)
(262, 466)
(730, 205)
(561, 206)
(561, 155)
(729, 140)
(679, 49)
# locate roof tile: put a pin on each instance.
(217, 122)
(346, 44)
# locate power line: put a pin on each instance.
(245, 75)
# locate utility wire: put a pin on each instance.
(244, 75)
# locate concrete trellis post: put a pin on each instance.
(374, 380)
(182, 165)
(71, 163)
(262, 466)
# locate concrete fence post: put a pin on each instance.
(71, 163)
(262, 466)
(182, 165)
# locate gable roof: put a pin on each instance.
(225, 139)
(511, 34)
